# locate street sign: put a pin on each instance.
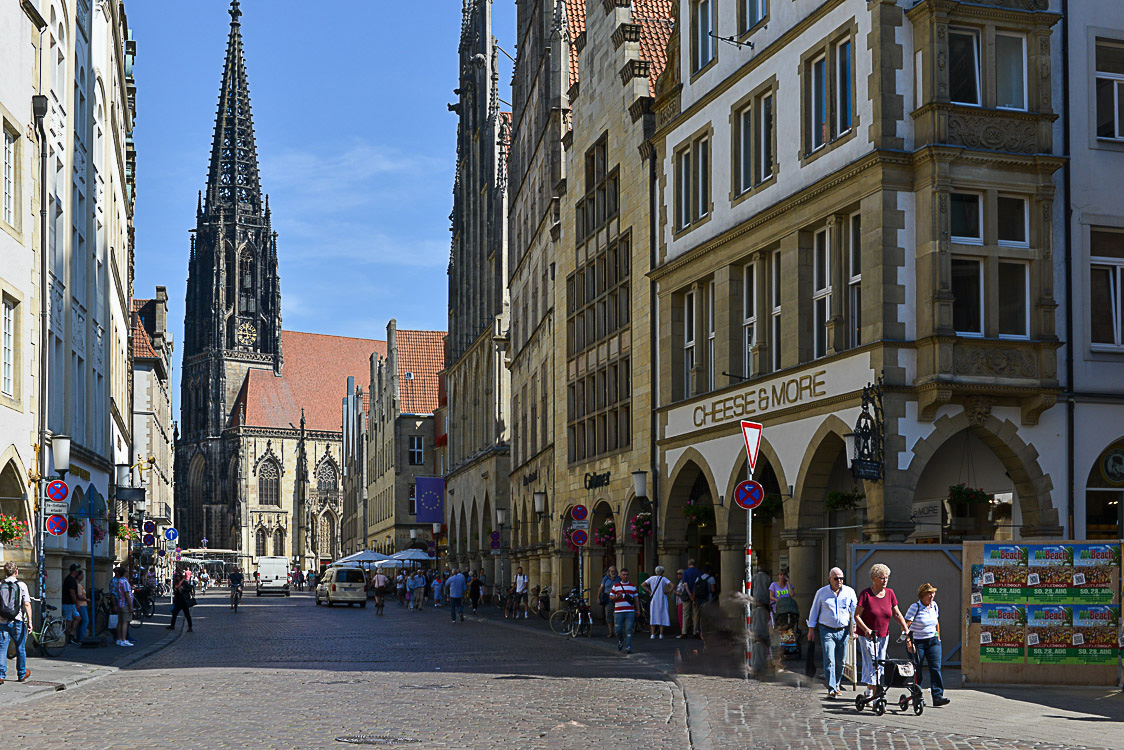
(749, 494)
(149, 527)
(862, 468)
(579, 538)
(56, 525)
(178, 550)
(149, 540)
(583, 525)
(171, 534)
(752, 432)
(579, 513)
(160, 553)
(495, 536)
(496, 552)
(57, 490)
(51, 507)
(495, 544)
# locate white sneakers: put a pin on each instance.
(652, 637)
(125, 643)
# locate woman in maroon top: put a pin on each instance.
(877, 606)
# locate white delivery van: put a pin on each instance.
(273, 575)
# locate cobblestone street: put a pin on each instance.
(284, 673)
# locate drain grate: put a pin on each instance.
(426, 687)
(43, 683)
(515, 677)
(374, 739)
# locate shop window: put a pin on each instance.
(1014, 295)
(967, 218)
(964, 66)
(1012, 220)
(1106, 277)
(1110, 89)
(967, 289)
(821, 291)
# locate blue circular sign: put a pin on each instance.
(56, 525)
(149, 540)
(58, 490)
(171, 534)
(579, 537)
(579, 512)
(749, 494)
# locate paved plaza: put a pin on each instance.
(284, 673)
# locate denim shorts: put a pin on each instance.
(70, 612)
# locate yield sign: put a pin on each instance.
(752, 432)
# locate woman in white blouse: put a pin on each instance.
(925, 638)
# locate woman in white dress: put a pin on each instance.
(658, 587)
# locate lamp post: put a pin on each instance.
(640, 489)
(866, 445)
(501, 518)
(60, 449)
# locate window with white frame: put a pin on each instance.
(1014, 298)
(749, 318)
(9, 177)
(828, 94)
(842, 94)
(703, 17)
(743, 124)
(1110, 89)
(8, 348)
(966, 215)
(775, 293)
(1010, 71)
(693, 182)
(964, 66)
(967, 291)
(1106, 251)
(817, 103)
(821, 291)
(854, 280)
(417, 450)
(710, 333)
(764, 153)
(751, 13)
(1012, 220)
(688, 341)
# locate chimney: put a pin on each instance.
(160, 329)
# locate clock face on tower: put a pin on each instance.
(247, 334)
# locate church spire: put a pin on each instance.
(232, 182)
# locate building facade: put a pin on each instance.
(895, 220)
(403, 388)
(354, 467)
(478, 382)
(258, 456)
(153, 446)
(536, 171)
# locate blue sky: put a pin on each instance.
(356, 147)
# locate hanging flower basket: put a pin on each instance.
(74, 527)
(125, 533)
(11, 529)
(848, 500)
(698, 514)
(98, 533)
(568, 536)
(963, 495)
(606, 536)
(641, 525)
(771, 507)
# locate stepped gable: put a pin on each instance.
(316, 366)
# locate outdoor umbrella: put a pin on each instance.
(414, 555)
(365, 556)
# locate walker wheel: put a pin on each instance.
(918, 706)
(903, 702)
(860, 703)
(879, 707)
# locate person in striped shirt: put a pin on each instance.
(624, 595)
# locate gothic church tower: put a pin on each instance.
(233, 312)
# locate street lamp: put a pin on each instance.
(540, 506)
(413, 533)
(640, 483)
(60, 447)
(866, 445)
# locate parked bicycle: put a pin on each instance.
(575, 618)
(541, 598)
(51, 635)
(144, 601)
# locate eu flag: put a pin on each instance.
(430, 499)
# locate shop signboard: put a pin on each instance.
(1004, 576)
(1096, 633)
(1002, 633)
(1049, 634)
(1049, 574)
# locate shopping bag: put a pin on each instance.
(112, 621)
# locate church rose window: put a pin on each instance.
(269, 485)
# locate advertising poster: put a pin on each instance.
(1004, 574)
(1096, 629)
(1049, 634)
(1049, 574)
(1002, 633)
(1092, 573)
(977, 592)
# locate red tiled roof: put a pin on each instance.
(656, 24)
(575, 22)
(142, 342)
(313, 377)
(421, 353)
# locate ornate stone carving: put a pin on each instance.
(1009, 363)
(99, 348)
(978, 410)
(78, 331)
(992, 133)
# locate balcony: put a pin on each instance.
(162, 513)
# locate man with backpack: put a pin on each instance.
(15, 615)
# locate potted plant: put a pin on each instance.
(698, 513)
(845, 500)
(969, 510)
(11, 529)
(74, 527)
(606, 536)
(98, 533)
(641, 525)
(124, 533)
(771, 507)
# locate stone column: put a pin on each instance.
(545, 569)
(731, 554)
(671, 557)
(628, 556)
(805, 565)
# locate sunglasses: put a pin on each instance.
(837, 578)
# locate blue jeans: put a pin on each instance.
(456, 603)
(834, 644)
(929, 652)
(84, 613)
(623, 623)
(17, 631)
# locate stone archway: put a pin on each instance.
(768, 518)
(1031, 486)
(15, 502)
(691, 490)
(1104, 494)
(601, 556)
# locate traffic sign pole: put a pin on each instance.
(751, 431)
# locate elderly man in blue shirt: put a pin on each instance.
(833, 612)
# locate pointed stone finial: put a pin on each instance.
(199, 206)
(235, 11)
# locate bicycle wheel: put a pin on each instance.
(560, 622)
(137, 619)
(52, 640)
(544, 610)
(149, 608)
